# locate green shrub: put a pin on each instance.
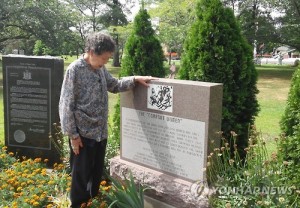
(143, 55)
(215, 51)
(291, 117)
(290, 126)
(297, 62)
(41, 49)
(256, 181)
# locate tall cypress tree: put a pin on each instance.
(215, 51)
(143, 55)
(291, 117)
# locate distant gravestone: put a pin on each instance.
(31, 87)
(166, 130)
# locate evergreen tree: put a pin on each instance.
(291, 117)
(143, 55)
(215, 51)
(290, 144)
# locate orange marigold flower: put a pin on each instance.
(103, 183)
(37, 160)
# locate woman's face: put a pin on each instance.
(97, 61)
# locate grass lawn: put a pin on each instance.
(273, 84)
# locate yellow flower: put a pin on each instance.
(51, 182)
(103, 183)
(36, 197)
(281, 199)
(11, 154)
(37, 160)
(107, 188)
(259, 202)
(267, 203)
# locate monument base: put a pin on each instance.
(163, 187)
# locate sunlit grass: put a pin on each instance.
(273, 84)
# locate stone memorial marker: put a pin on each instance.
(31, 87)
(165, 134)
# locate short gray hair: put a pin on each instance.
(100, 43)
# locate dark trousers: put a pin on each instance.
(86, 171)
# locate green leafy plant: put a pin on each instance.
(256, 181)
(125, 194)
(60, 142)
(28, 183)
(6, 158)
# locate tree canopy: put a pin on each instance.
(215, 51)
(44, 20)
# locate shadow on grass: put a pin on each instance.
(275, 72)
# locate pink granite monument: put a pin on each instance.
(165, 132)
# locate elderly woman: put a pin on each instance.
(83, 110)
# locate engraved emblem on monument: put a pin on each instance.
(160, 97)
(26, 75)
(19, 136)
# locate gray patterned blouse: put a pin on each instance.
(83, 105)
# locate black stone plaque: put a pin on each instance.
(31, 88)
